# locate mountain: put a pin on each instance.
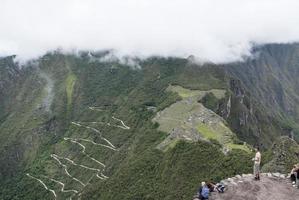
(283, 155)
(84, 126)
(271, 80)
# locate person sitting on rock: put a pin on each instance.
(203, 191)
(257, 163)
(216, 187)
(295, 174)
(211, 186)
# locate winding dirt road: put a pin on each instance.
(97, 131)
(57, 158)
(83, 150)
(43, 184)
(62, 186)
(98, 171)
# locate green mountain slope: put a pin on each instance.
(75, 126)
(272, 81)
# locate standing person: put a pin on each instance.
(295, 175)
(257, 163)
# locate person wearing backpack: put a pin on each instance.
(216, 187)
(203, 192)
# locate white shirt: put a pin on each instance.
(257, 159)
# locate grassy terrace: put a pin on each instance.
(188, 114)
(187, 93)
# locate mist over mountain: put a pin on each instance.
(144, 100)
(215, 31)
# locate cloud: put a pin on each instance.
(214, 30)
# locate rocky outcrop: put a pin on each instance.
(9, 72)
(272, 186)
(9, 75)
(285, 153)
(49, 90)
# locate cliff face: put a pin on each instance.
(263, 99)
(9, 77)
(9, 72)
(271, 75)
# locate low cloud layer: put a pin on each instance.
(213, 30)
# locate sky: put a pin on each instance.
(218, 31)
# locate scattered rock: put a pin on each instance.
(276, 174)
(282, 176)
(270, 187)
(246, 175)
(230, 180)
(238, 177)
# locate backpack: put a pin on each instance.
(205, 192)
(220, 188)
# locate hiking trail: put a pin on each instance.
(43, 184)
(77, 141)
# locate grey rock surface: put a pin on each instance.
(273, 187)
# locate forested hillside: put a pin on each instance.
(83, 126)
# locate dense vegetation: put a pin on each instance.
(29, 134)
